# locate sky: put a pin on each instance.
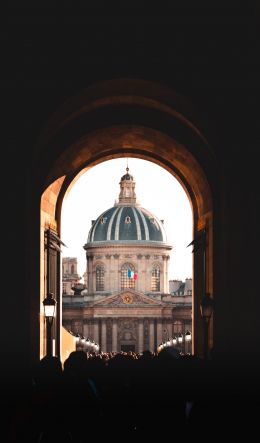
(156, 190)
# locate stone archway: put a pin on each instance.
(126, 119)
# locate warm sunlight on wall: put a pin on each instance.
(68, 344)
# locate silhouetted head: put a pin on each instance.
(147, 355)
(76, 363)
(48, 371)
(170, 353)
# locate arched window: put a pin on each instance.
(155, 284)
(100, 278)
(72, 269)
(127, 281)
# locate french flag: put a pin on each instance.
(132, 274)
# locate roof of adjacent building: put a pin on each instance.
(184, 288)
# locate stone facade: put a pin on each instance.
(127, 305)
(142, 258)
(128, 320)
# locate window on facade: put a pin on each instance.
(155, 279)
(100, 277)
(72, 269)
(126, 281)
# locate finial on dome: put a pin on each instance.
(127, 168)
(127, 189)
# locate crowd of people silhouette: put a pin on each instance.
(126, 394)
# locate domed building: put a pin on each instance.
(127, 305)
(127, 238)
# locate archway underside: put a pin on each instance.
(144, 143)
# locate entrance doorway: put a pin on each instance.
(128, 348)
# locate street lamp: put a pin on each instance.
(180, 337)
(188, 336)
(180, 342)
(206, 310)
(49, 304)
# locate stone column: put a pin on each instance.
(114, 335)
(90, 274)
(108, 272)
(103, 335)
(166, 275)
(159, 331)
(96, 331)
(151, 335)
(147, 283)
(142, 274)
(86, 329)
(116, 277)
(163, 274)
(139, 268)
(140, 336)
(169, 328)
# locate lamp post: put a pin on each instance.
(188, 340)
(179, 338)
(49, 304)
(206, 310)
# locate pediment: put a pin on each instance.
(128, 298)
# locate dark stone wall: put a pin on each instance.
(209, 55)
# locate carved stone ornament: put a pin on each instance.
(127, 299)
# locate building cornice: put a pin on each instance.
(121, 243)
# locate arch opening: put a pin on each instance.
(142, 254)
(144, 142)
